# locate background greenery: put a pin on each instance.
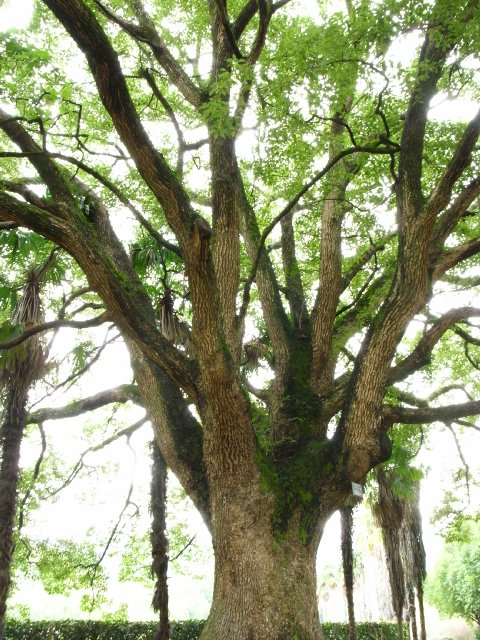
(185, 630)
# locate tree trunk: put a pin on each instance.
(265, 586)
(158, 506)
(11, 433)
(346, 515)
(412, 615)
(388, 513)
(421, 613)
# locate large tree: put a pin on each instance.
(245, 187)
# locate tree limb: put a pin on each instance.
(448, 220)
(421, 354)
(54, 324)
(145, 32)
(430, 69)
(375, 149)
(104, 64)
(461, 159)
(293, 280)
(44, 166)
(248, 12)
(222, 11)
(452, 257)
(404, 415)
(122, 394)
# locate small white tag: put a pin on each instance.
(357, 489)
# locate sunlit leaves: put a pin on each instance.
(454, 586)
(61, 566)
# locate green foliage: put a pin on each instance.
(454, 587)
(62, 566)
(365, 631)
(184, 630)
(95, 630)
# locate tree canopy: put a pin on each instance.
(276, 205)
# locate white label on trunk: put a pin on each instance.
(357, 489)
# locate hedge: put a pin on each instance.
(186, 630)
(97, 630)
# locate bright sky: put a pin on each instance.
(15, 14)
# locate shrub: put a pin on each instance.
(96, 630)
(184, 630)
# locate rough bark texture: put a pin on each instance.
(253, 568)
(258, 463)
(11, 433)
(414, 559)
(412, 614)
(388, 512)
(158, 508)
(18, 372)
(346, 515)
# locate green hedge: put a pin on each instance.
(365, 631)
(97, 630)
(186, 630)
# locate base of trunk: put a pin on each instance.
(264, 590)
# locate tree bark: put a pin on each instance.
(412, 615)
(347, 562)
(421, 613)
(388, 512)
(158, 506)
(11, 433)
(265, 587)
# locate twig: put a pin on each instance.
(462, 457)
(36, 473)
(128, 431)
(180, 553)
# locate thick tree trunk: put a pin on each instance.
(11, 433)
(265, 586)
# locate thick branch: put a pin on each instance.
(54, 324)
(422, 415)
(293, 280)
(461, 159)
(122, 394)
(103, 61)
(124, 297)
(430, 68)
(45, 167)
(226, 233)
(248, 12)
(452, 257)
(375, 149)
(448, 220)
(222, 11)
(421, 355)
(146, 32)
(263, 22)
